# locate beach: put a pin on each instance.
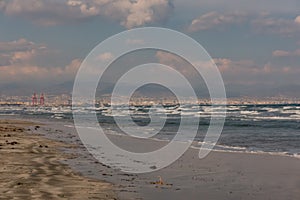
(32, 170)
(149, 100)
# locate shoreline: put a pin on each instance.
(231, 149)
(221, 175)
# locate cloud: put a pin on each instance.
(43, 12)
(2, 4)
(260, 23)
(248, 68)
(145, 11)
(20, 51)
(72, 68)
(42, 75)
(217, 20)
(249, 74)
(253, 6)
(127, 12)
(175, 62)
(237, 72)
(278, 26)
(236, 67)
(297, 19)
(281, 53)
(4, 59)
(18, 63)
(19, 45)
(105, 56)
(226, 66)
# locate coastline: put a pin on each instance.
(221, 175)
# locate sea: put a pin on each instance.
(263, 128)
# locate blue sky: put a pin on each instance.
(256, 44)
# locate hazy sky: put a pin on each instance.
(255, 44)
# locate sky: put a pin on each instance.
(255, 44)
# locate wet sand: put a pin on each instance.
(30, 168)
(232, 176)
(219, 176)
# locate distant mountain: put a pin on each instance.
(153, 90)
(15, 89)
(263, 90)
(67, 88)
(61, 88)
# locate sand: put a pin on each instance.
(227, 176)
(219, 176)
(30, 168)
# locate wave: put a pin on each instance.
(8, 114)
(292, 117)
(246, 112)
(232, 149)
